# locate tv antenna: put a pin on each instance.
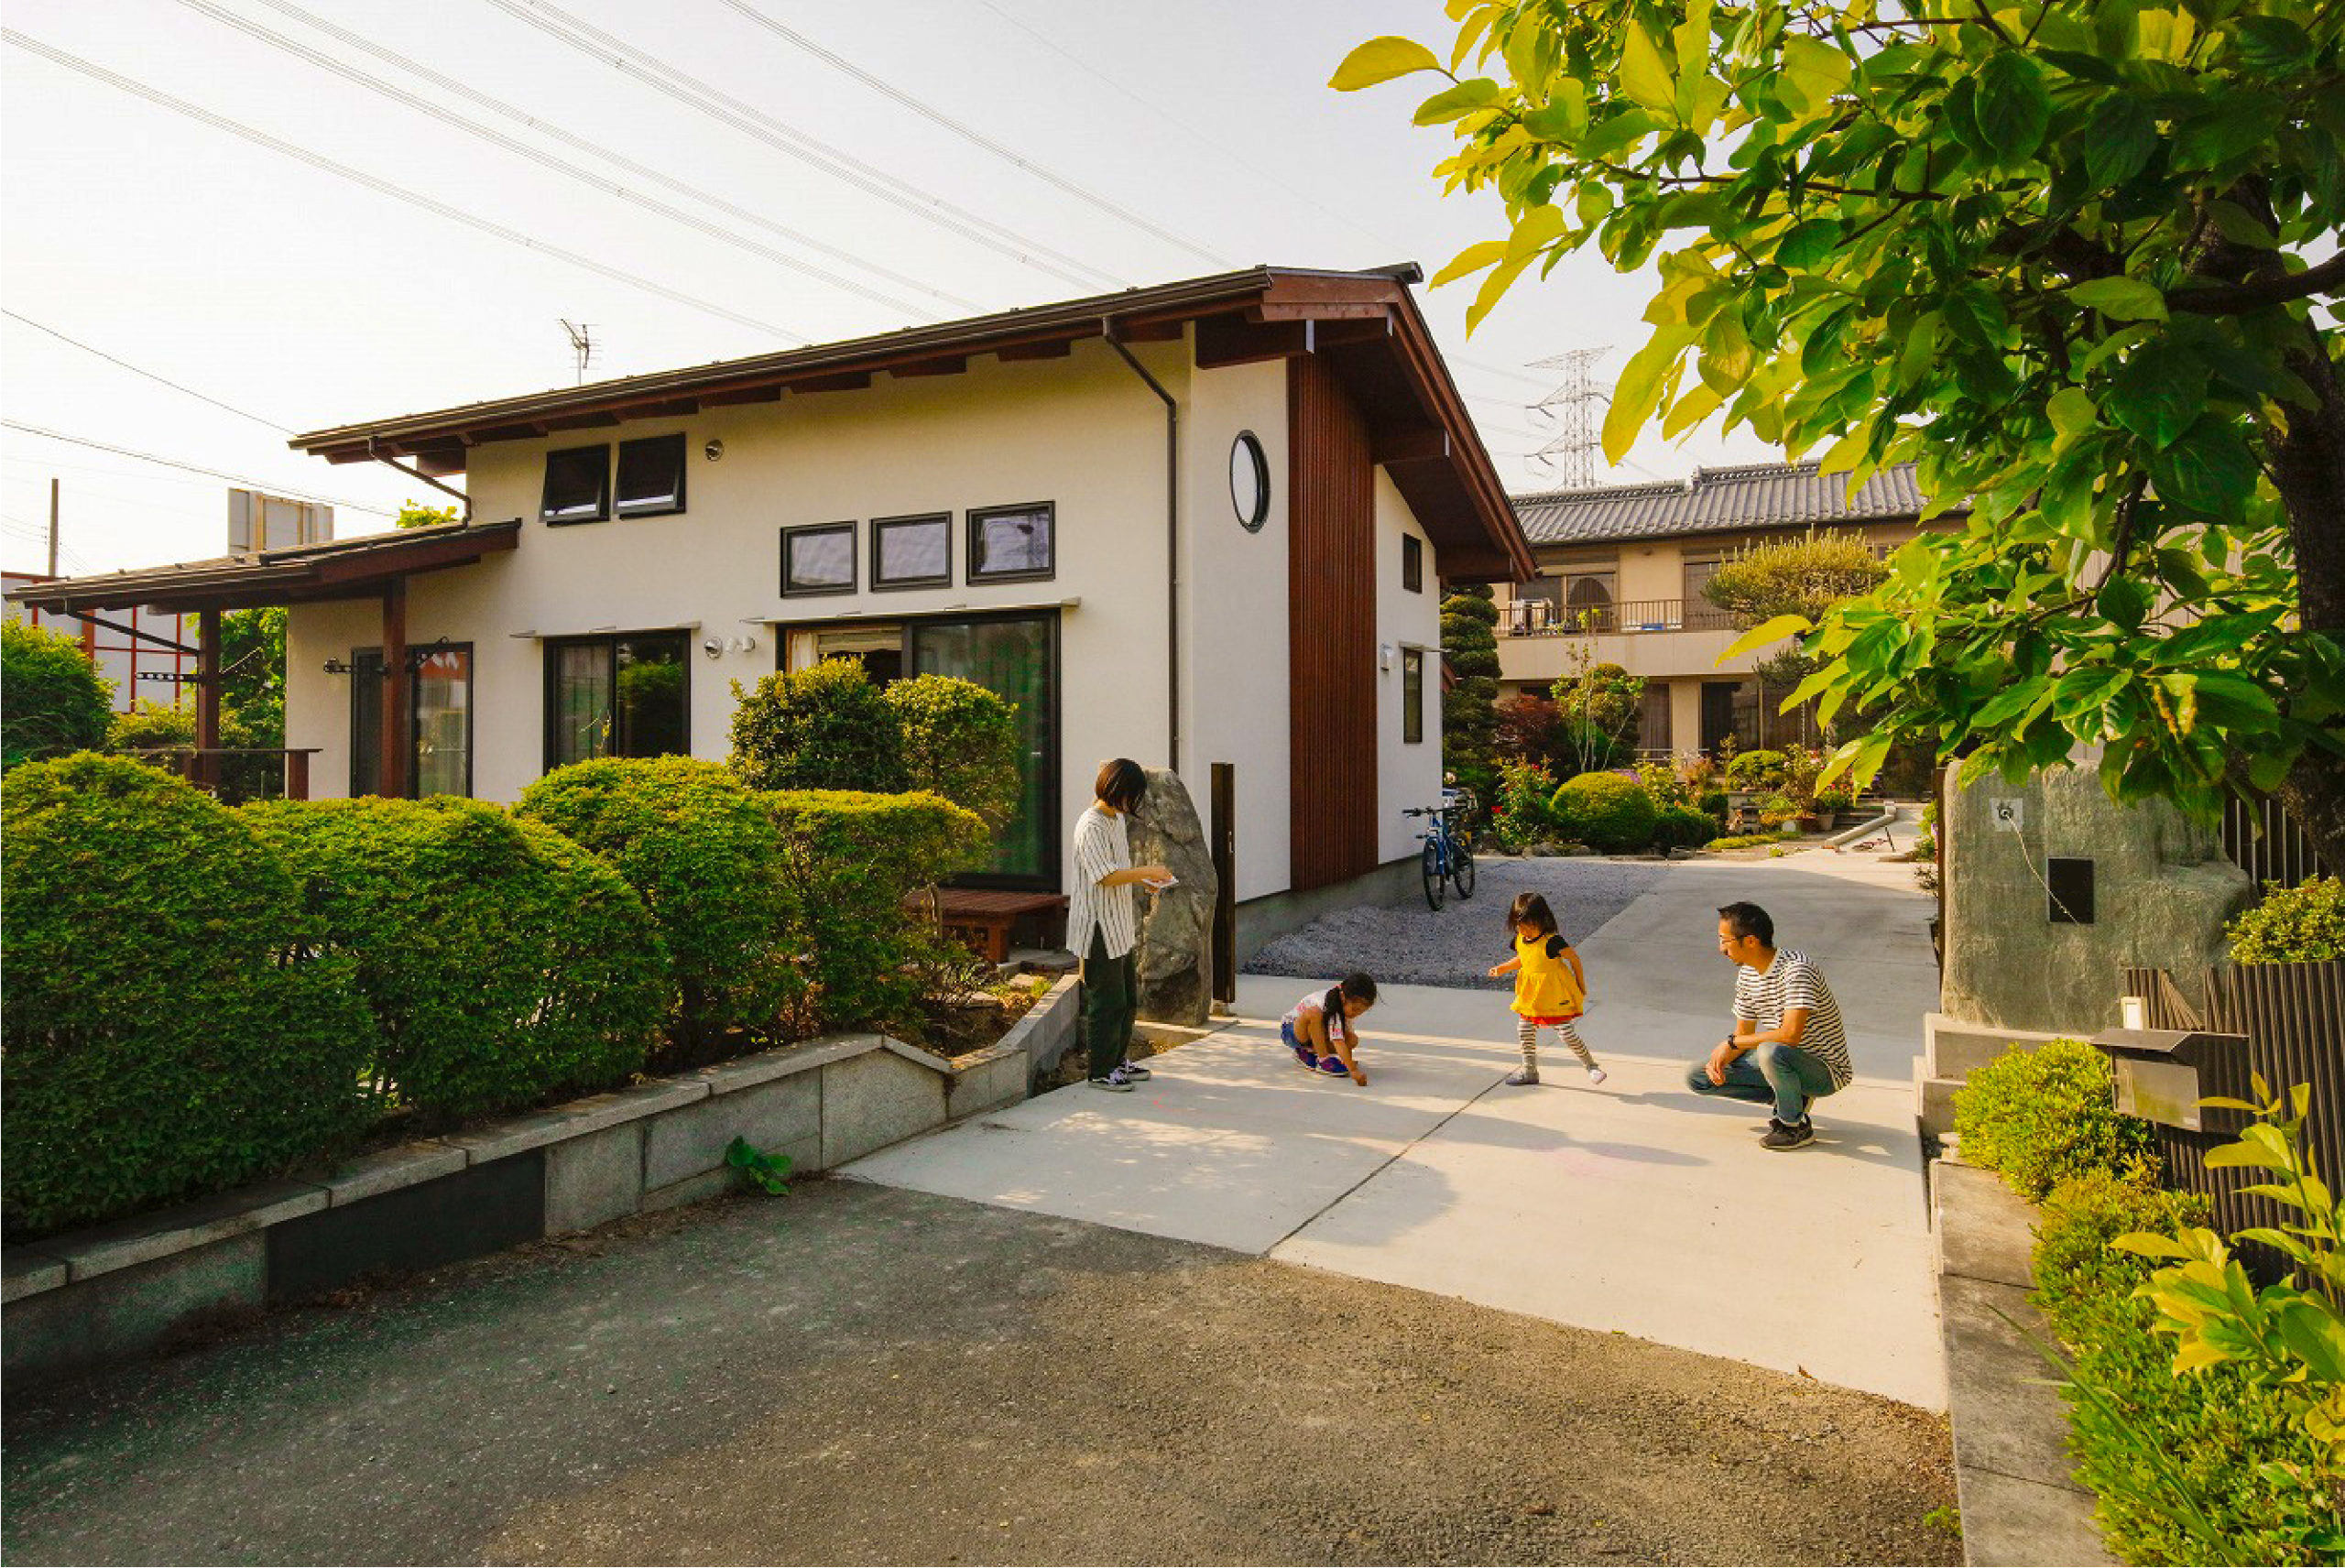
(1572, 452)
(582, 343)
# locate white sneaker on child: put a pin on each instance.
(1596, 1074)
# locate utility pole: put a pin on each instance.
(582, 344)
(52, 525)
(1572, 451)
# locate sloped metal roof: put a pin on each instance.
(1717, 500)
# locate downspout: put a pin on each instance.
(1172, 545)
(419, 474)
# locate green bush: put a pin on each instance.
(1682, 827)
(1751, 841)
(962, 742)
(2293, 925)
(1518, 815)
(505, 965)
(2038, 1116)
(171, 1027)
(1605, 812)
(848, 859)
(151, 729)
(823, 728)
(1757, 771)
(1712, 802)
(57, 701)
(699, 847)
(2135, 1426)
(1831, 802)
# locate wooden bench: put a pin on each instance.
(986, 915)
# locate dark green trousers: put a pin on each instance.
(1110, 1003)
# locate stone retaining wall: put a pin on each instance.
(97, 1295)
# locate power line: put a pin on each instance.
(271, 487)
(713, 101)
(86, 348)
(970, 134)
(384, 187)
(547, 160)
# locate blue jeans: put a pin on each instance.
(1782, 1076)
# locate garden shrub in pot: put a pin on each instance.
(699, 848)
(2037, 1116)
(2304, 924)
(173, 1024)
(1605, 812)
(506, 966)
(827, 727)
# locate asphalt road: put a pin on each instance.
(854, 1374)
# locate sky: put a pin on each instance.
(209, 193)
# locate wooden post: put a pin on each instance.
(392, 779)
(297, 775)
(1224, 841)
(207, 697)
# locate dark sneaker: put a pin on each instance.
(1136, 1072)
(1789, 1135)
(1528, 1076)
(1306, 1060)
(1117, 1082)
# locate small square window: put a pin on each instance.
(1412, 695)
(578, 485)
(912, 552)
(1009, 544)
(1412, 564)
(651, 476)
(818, 559)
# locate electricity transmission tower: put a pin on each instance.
(1576, 406)
(582, 344)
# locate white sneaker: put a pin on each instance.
(1597, 1075)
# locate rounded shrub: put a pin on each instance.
(698, 846)
(960, 741)
(1682, 827)
(2039, 1116)
(57, 701)
(505, 965)
(172, 1027)
(1605, 812)
(1711, 802)
(2304, 924)
(823, 728)
(1758, 770)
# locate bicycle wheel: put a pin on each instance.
(1434, 873)
(1461, 869)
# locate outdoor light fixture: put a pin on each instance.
(713, 646)
(713, 451)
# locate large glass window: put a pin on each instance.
(1017, 660)
(1586, 599)
(578, 485)
(651, 476)
(912, 552)
(1013, 543)
(618, 696)
(440, 727)
(818, 559)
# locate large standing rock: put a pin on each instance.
(1176, 925)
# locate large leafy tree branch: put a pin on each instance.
(2076, 259)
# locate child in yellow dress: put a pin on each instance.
(1550, 986)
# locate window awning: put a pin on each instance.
(343, 568)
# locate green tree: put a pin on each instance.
(1807, 577)
(827, 727)
(252, 664)
(414, 514)
(56, 701)
(1469, 712)
(2064, 255)
(960, 741)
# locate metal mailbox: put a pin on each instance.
(2159, 1071)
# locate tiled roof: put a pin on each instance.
(1716, 500)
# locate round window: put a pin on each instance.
(1250, 481)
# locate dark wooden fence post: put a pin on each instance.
(1225, 868)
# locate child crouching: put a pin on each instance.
(1319, 1030)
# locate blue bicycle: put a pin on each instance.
(1448, 858)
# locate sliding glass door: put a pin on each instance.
(1017, 659)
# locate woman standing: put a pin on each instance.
(1102, 925)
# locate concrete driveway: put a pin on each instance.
(1634, 1207)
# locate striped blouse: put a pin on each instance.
(1791, 981)
(1101, 846)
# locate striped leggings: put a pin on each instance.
(1527, 1033)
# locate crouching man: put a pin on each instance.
(1788, 1049)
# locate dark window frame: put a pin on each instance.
(620, 507)
(414, 720)
(1412, 564)
(545, 494)
(978, 516)
(796, 530)
(1412, 711)
(880, 582)
(548, 654)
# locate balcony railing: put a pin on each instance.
(1537, 618)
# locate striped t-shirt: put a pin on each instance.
(1101, 846)
(1793, 982)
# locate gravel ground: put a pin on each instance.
(1408, 944)
(856, 1374)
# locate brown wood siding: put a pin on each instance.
(1331, 630)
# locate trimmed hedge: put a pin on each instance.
(823, 728)
(57, 700)
(1757, 771)
(960, 741)
(1682, 827)
(2037, 1117)
(1605, 812)
(698, 846)
(2304, 924)
(849, 858)
(506, 966)
(172, 1027)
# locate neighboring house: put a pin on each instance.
(146, 656)
(1621, 575)
(1199, 523)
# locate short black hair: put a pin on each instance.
(1750, 920)
(1531, 909)
(1122, 783)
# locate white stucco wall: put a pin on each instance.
(1407, 775)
